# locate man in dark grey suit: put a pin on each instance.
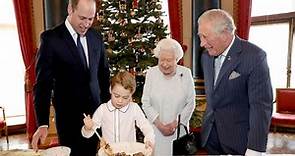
(238, 89)
(71, 64)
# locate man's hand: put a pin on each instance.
(40, 134)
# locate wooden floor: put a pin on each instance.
(278, 143)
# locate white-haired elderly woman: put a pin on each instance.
(168, 92)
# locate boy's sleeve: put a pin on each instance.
(96, 118)
(86, 133)
(144, 125)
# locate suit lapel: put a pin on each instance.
(231, 60)
(211, 72)
(71, 45)
(70, 41)
(90, 46)
(208, 69)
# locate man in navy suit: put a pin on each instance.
(71, 68)
(238, 89)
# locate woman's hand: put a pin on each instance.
(167, 129)
(88, 123)
(172, 126)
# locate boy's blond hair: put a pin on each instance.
(126, 79)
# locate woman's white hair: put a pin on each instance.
(170, 45)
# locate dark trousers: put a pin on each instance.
(213, 146)
(81, 146)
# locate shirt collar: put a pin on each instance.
(71, 29)
(112, 108)
(227, 49)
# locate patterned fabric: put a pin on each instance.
(217, 66)
(240, 103)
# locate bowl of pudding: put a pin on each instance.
(124, 149)
(57, 151)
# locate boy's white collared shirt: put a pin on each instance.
(112, 108)
(118, 125)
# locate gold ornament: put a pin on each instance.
(132, 13)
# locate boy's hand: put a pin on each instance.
(88, 123)
(149, 144)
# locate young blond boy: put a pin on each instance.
(117, 117)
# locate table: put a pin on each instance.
(20, 152)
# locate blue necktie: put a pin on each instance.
(217, 66)
(81, 52)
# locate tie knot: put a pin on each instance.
(217, 66)
(221, 56)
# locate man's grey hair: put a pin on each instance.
(219, 19)
(170, 45)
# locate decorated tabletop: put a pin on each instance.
(20, 152)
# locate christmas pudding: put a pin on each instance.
(57, 151)
(124, 149)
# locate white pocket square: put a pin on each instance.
(234, 75)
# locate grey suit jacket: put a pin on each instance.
(240, 104)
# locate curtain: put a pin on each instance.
(175, 21)
(242, 11)
(24, 21)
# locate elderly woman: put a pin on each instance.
(168, 92)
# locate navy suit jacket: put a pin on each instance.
(61, 75)
(240, 104)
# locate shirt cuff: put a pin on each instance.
(86, 133)
(250, 152)
(46, 126)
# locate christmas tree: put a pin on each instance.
(131, 29)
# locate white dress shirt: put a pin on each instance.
(83, 39)
(220, 59)
(118, 125)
